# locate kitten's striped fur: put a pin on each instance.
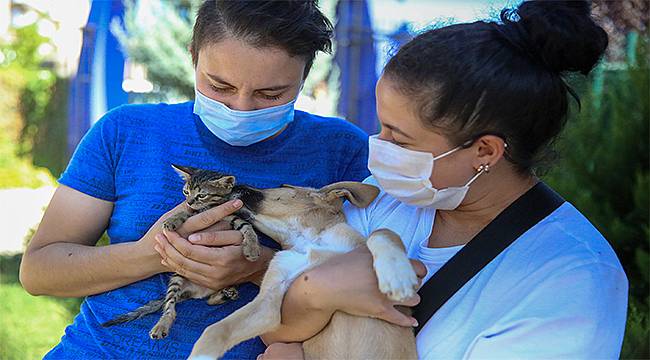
(203, 190)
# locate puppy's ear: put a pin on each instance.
(359, 194)
(184, 171)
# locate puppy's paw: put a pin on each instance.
(208, 346)
(200, 357)
(396, 278)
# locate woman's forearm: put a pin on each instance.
(75, 270)
(303, 313)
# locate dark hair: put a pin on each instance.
(501, 78)
(297, 26)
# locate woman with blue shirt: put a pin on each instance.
(468, 112)
(251, 59)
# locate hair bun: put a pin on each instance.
(560, 34)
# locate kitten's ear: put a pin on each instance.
(184, 171)
(227, 181)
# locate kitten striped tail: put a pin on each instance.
(146, 309)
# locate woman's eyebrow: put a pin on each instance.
(216, 78)
(397, 130)
(275, 88)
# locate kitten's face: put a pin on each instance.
(204, 188)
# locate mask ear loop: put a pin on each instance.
(448, 152)
(481, 169)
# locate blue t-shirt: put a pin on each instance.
(125, 158)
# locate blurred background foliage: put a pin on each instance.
(603, 171)
(165, 52)
(27, 105)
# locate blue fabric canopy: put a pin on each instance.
(356, 58)
(97, 86)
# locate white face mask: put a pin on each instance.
(242, 128)
(404, 174)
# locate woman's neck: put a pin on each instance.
(487, 198)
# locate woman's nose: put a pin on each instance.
(241, 103)
(384, 134)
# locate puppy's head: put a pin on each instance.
(288, 210)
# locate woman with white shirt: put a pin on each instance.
(468, 112)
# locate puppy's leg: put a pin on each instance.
(257, 317)
(395, 275)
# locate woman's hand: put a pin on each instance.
(146, 244)
(205, 221)
(348, 283)
(214, 257)
(283, 351)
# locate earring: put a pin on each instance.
(484, 167)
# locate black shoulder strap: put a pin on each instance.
(532, 207)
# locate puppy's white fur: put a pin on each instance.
(310, 226)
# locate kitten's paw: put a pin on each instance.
(250, 245)
(396, 278)
(223, 295)
(252, 250)
(172, 223)
(231, 293)
(161, 329)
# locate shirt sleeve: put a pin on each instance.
(92, 166)
(579, 314)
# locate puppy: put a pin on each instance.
(310, 226)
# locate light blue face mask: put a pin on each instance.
(242, 128)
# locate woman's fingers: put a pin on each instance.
(209, 217)
(220, 226)
(180, 263)
(282, 351)
(199, 253)
(420, 269)
(217, 238)
(392, 315)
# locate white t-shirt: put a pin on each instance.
(558, 291)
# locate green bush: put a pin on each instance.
(18, 171)
(33, 118)
(604, 172)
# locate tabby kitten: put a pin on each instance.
(203, 190)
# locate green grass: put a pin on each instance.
(29, 326)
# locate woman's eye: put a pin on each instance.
(272, 97)
(220, 89)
